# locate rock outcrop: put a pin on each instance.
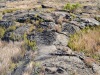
(50, 31)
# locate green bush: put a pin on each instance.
(71, 7)
(2, 32)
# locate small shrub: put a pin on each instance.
(2, 32)
(15, 37)
(12, 36)
(71, 7)
(29, 43)
(38, 20)
(12, 66)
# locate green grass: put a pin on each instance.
(71, 7)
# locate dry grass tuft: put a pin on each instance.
(87, 41)
(7, 51)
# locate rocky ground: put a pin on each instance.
(49, 26)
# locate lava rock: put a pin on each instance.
(69, 28)
(47, 37)
(90, 22)
(6, 24)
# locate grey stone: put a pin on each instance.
(69, 28)
(47, 17)
(48, 25)
(21, 30)
(49, 70)
(46, 37)
(59, 40)
(60, 13)
(96, 68)
(90, 21)
(6, 24)
(61, 17)
(97, 17)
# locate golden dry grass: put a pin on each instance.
(7, 51)
(21, 4)
(26, 4)
(87, 41)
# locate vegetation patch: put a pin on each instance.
(71, 7)
(14, 37)
(31, 44)
(2, 32)
(8, 11)
(0, 15)
(11, 28)
(97, 18)
(73, 16)
(87, 41)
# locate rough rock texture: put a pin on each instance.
(6, 24)
(90, 21)
(53, 55)
(50, 30)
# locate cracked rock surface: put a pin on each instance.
(50, 31)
